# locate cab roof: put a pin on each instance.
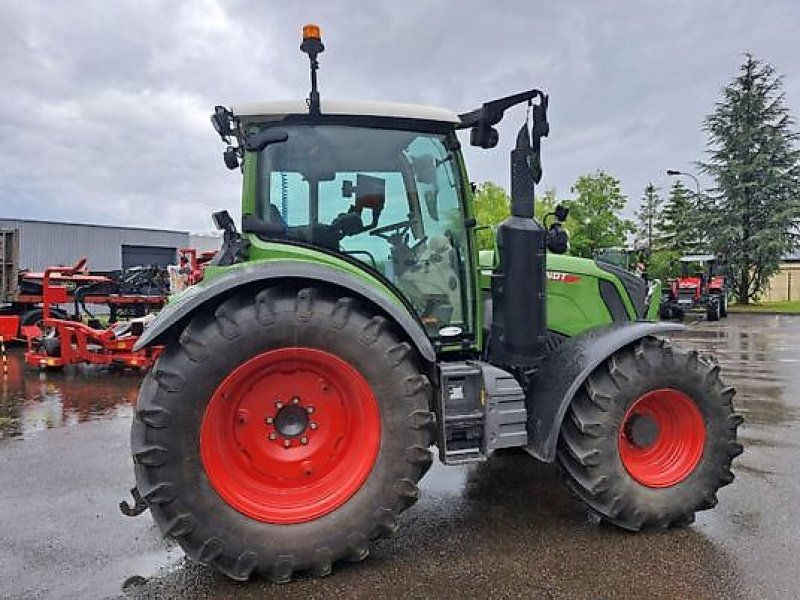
(698, 258)
(276, 111)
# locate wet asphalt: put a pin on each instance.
(503, 529)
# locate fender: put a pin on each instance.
(199, 297)
(563, 372)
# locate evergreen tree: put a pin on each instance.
(677, 228)
(648, 217)
(754, 210)
(678, 222)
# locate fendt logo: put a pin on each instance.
(562, 277)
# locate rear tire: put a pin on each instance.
(723, 306)
(714, 309)
(661, 472)
(206, 457)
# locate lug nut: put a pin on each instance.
(287, 443)
(279, 404)
(310, 409)
(273, 436)
(268, 420)
(313, 425)
(304, 440)
(295, 400)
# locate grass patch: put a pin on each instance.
(792, 307)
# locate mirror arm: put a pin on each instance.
(492, 112)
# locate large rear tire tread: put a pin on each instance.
(588, 444)
(165, 433)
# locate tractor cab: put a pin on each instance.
(377, 183)
(698, 273)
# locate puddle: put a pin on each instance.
(32, 401)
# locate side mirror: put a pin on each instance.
(265, 137)
(221, 121)
(231, 158)
(557, 239)
(223, 221)
(484, 136)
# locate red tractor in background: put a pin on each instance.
(702, 284)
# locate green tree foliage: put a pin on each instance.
(677, 227)
(647, 220)
(594, 214)
(492, 206)
(754, 210)
(593, 221)
(679, 221)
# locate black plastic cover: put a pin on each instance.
(635, 286)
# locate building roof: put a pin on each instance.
(279, 109)
(74, 224)
(792, 256)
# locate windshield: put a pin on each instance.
(390, 199)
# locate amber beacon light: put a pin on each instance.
(312, 46)
(311, 32)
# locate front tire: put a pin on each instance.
(650, 437)
(282, 433)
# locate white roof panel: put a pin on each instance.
(698, 258)
(282, 108)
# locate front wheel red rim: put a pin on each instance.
(662, 437)
(290, 435)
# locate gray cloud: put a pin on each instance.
(105, 111)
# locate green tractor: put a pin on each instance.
(352, 325)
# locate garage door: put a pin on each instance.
(143, 256)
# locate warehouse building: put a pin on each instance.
(785, 284)
(107, 248)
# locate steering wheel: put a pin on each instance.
(400, 228)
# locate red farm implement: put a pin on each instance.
(55, 342)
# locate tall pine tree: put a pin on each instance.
(647, 219)
(678, 221)
(754, 210)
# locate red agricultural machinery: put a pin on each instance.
(702, 284)
(55, 341)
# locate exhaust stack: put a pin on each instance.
(519, 319)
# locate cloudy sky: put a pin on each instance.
(105, 104)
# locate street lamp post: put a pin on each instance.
(676, 173)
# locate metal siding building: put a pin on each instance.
(47, 243)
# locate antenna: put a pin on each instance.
(312, 45)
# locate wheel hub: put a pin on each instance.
(291, 421)
(642, 430)
(661, 438)
(290, 435)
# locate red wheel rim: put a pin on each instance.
(662, 438)
(290, 435)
